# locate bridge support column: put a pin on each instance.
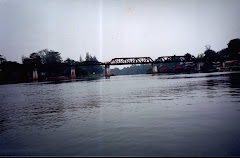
(154, 69)
(35, 74)
(198, 66)
(107, 71)
(224, 64)
(73, 74)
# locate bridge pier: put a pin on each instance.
(198, 66)
(224, 64)
(35, 74)
(73, 73)
(107, 71)
(154, 68)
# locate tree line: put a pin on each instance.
(226, 54)
(49, 65)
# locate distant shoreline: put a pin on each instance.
(61, 79)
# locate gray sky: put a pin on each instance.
(116, 28)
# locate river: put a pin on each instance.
(138, 115)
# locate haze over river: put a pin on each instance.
(139, 115)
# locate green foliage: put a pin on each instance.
(211, 55)
(95, 69)
(224, 54)
(50, 64)
(33, 60)
(13, 72)
(234, 48)
(69, 61)
(200, 56)
(53, 57)
(232, 52)
(115, 71)
(53, 69)
(42, 54)
(36, 59)
(88, 57)
(42, 57)
(81, 60)
(132, 70)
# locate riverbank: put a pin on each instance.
(55, 79)
(95, 76)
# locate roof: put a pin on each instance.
(178, 67)
(163, 67)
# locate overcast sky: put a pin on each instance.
(116, 28)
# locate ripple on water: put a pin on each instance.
(168, 114)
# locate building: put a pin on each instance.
(178, 69)
(163, 68)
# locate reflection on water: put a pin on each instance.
(163, 115)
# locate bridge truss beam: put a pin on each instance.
(170, 59)
(135, 60)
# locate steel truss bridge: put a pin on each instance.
(133, 60)
(141, 60)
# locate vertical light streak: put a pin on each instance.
(100, 37)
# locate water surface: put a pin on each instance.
(138, 115)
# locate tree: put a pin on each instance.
(210, 55)
(42, 54)
(69, 61)
(97, 69)
(234, 48)
(224, 54)
(133, 69)
(189, 57)
(53, 57)
(200, 56)
(88, 57)
(36, 59)
(80, 59)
